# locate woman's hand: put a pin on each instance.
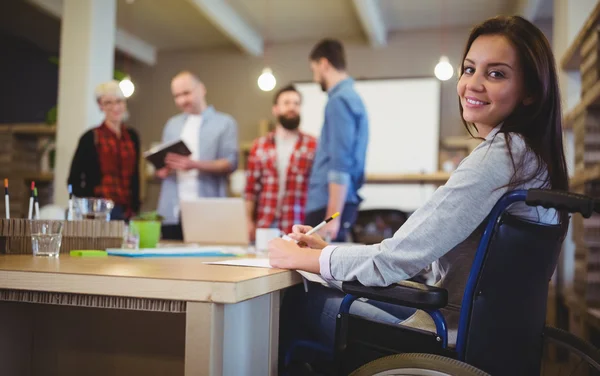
(285, 254)
(313, 241)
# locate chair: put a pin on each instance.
(374, 225)
(501, 328)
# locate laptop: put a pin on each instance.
(215, 221)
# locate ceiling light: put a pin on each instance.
(127, 87)
(443, 70)
(266, 81)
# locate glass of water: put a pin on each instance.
(93, 208)
(131, 238)
(46, 237)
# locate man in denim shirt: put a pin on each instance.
(339, 165)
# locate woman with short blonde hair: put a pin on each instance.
(106, 163)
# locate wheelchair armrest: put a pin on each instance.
(405, 293)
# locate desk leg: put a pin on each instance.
(204, 339)
(252, 336)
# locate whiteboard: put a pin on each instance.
(404, 118)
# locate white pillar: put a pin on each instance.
(87, 47)
(569, 18)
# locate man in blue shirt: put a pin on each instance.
(212, 138)
(339, 165)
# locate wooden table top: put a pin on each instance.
(177, 278)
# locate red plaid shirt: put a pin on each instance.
(117, 165)
(262, 181)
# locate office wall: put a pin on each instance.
(230, 77)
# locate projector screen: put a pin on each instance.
(404, 117)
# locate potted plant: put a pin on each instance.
(147, 225)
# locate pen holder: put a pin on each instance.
(15, 235)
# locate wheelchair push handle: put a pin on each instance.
(571, 202)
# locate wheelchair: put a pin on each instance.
(501, 327)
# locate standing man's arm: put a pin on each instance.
(342, 124)
(227, 156)
(164, 172)
(251, 190)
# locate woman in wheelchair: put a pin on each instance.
(508, 97)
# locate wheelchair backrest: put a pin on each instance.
(508, 306)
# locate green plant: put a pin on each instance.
(148, 216)
(52, 114)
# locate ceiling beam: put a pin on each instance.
(226, 19)
(529, 8)
(371, 18)
(135, 47)
(125, 42)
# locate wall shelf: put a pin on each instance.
(571, 60)
(585, 176)
(591, 99)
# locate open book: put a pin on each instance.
(157, 154)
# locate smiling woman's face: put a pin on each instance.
(491, 86)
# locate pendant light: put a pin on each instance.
(443, 69)
(266, 81)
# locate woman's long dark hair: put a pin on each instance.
(539, 123)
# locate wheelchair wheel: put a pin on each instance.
(567, 354)
(417, 364)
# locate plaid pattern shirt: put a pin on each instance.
(117, 165)
(262, 182)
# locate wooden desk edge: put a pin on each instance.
(148, 288)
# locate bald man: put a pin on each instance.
(211, 136)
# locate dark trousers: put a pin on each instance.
(172, 232)
(348, 215)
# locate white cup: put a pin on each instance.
(264, 236)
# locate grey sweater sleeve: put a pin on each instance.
(448, 218)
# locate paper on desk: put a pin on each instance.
(264, 263)
(255, 262)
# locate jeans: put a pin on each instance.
(118, 213)
(312, 315)
(172, 232)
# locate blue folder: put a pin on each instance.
(169, 252)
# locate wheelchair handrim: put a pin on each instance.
(411, 372)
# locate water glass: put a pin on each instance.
(92, 208)
(131, 238)
(46, 237)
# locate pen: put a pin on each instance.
(36, 200)
(6, 200)
(320, 225)
(30, 212)
(70, 211)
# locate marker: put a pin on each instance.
(37, 203)
(30, 212)
(70, 211)
(6, 199)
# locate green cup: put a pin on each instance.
(149, 232)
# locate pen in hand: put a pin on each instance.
(318, 227)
